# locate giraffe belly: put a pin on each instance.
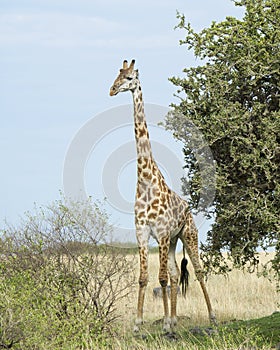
(157, 232)
(159, 228)
(162, 219)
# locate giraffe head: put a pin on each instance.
(126, 80)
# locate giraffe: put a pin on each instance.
(159, 212)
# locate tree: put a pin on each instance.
(233, 99)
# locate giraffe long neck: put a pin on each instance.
(143, 144)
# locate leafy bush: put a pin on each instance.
(59, 281)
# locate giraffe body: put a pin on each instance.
(159, 211)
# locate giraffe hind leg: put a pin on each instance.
(190, 242)
(174, 276)
(199, 274)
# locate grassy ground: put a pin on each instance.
(262, 333)
(239, 296)
(242, 302)
(41, 307)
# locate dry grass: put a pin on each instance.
(239, 296)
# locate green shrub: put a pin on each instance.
(59, 287)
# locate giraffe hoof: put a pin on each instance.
(137, 324)
(167, 325)
(136, 329)
(213, 320)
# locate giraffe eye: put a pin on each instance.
(129, 78)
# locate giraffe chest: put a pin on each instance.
(159, 210)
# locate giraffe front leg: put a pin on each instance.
(163, 280)
(166, 319)
(143, 281)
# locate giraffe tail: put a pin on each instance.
(184, 279)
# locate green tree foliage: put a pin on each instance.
(233, 99)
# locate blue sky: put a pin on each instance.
(58, 59)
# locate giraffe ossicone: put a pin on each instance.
(159, 212)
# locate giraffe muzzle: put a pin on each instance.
(113, 91)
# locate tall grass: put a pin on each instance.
(240, 295)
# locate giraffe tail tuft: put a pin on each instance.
(184, 279)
